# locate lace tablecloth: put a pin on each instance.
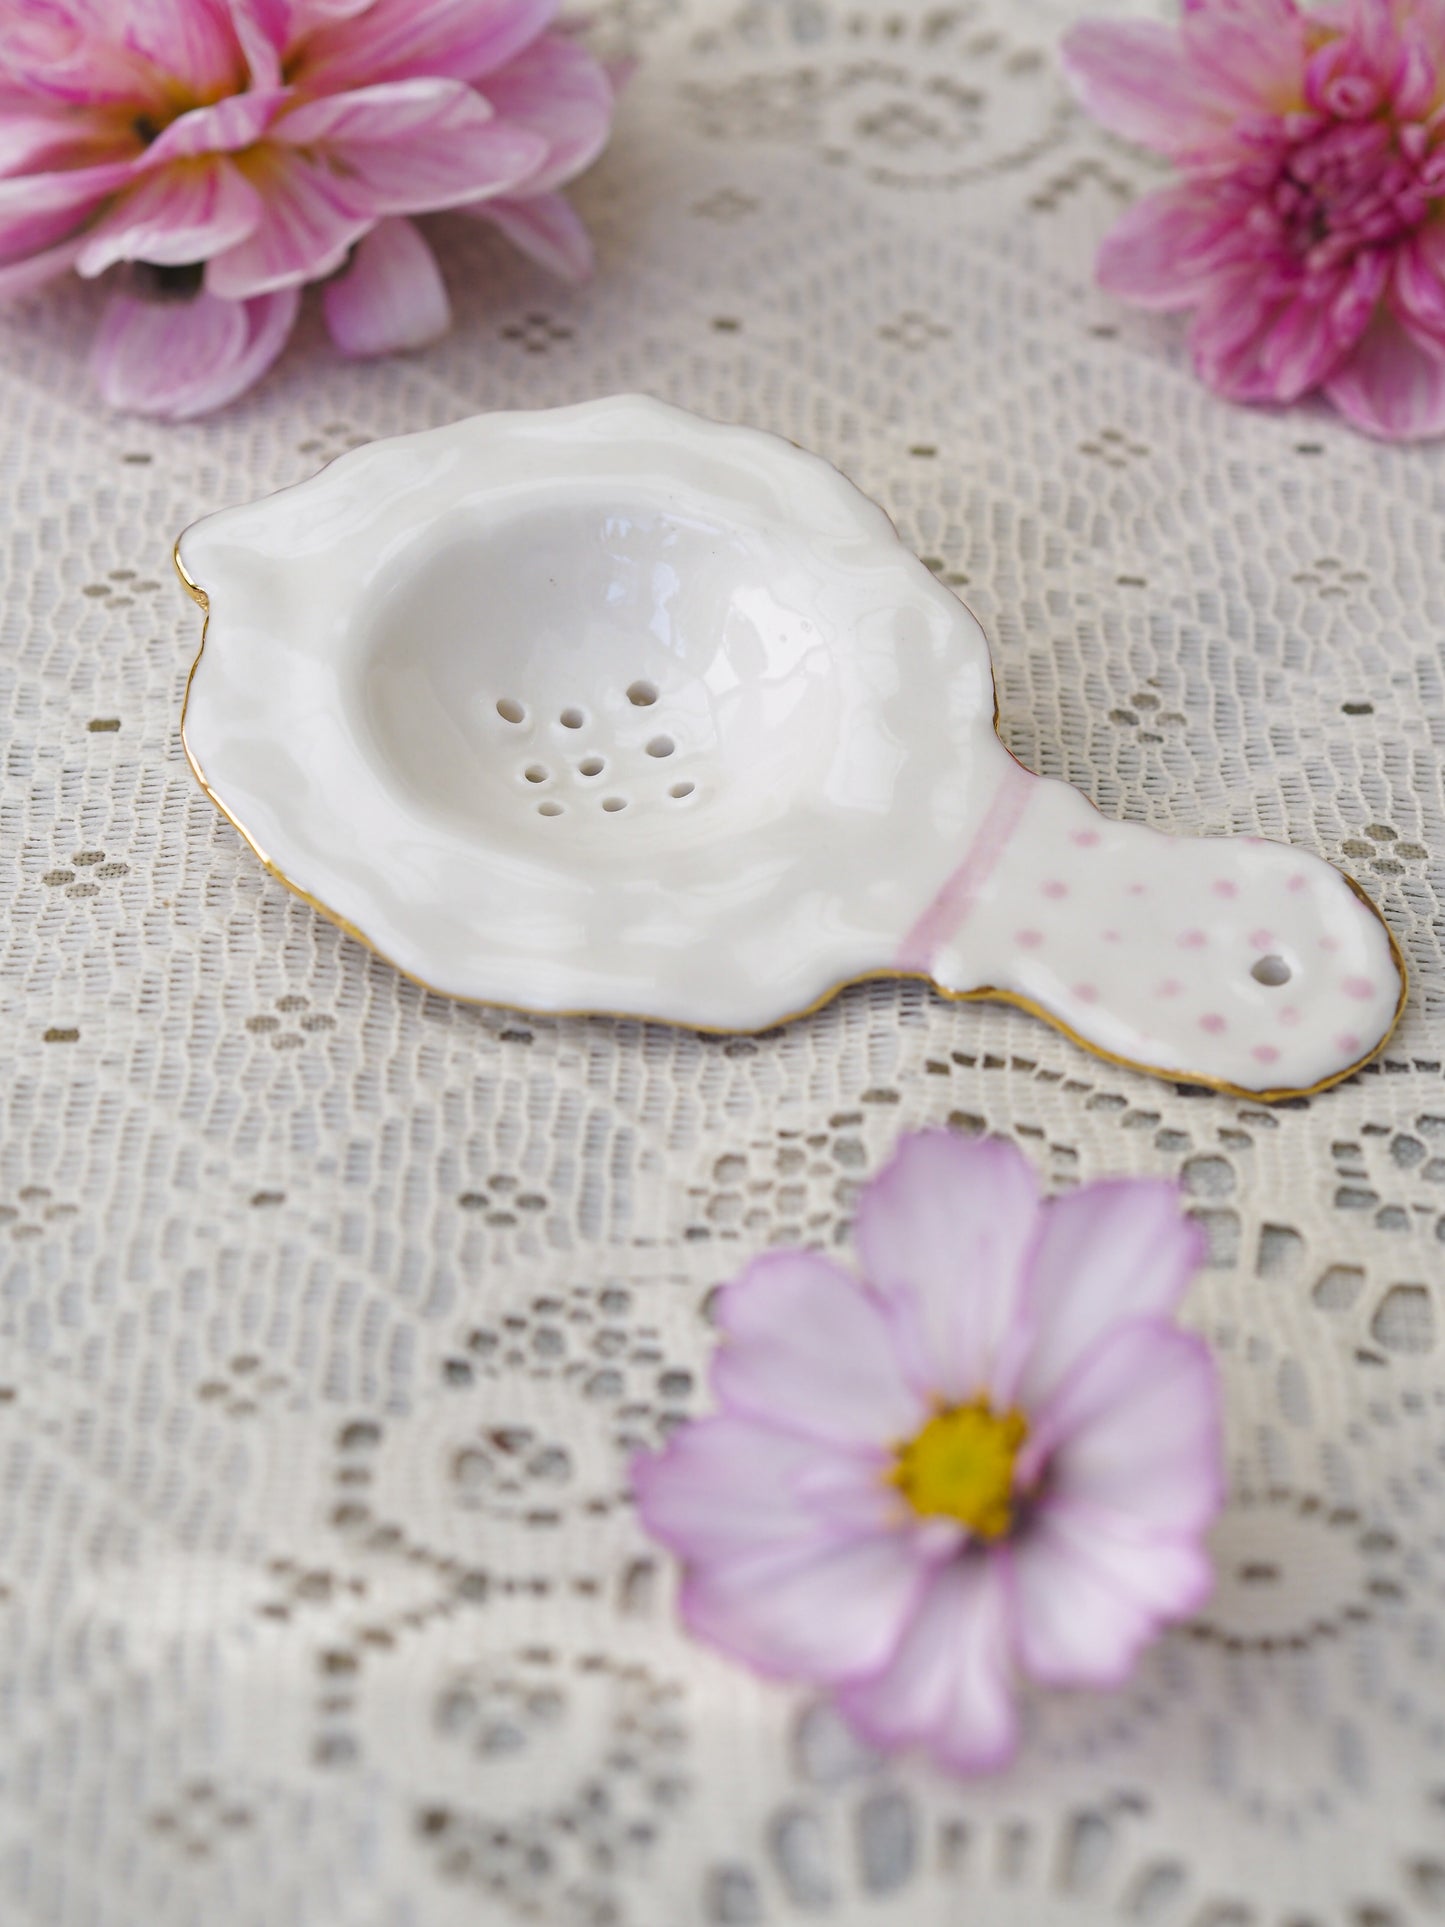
(332, 1310)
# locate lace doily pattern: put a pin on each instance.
(331, 1312)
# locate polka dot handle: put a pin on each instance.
(1232, 961)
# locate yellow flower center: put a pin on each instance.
(961, 1466)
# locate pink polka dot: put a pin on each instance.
(1111, 936)
(1053, 888)
(1138, 889)
(1348, 1043)
(1193, 940)
(1289, 1016)
(1298, 882)
(1086, 839)
(1262, 939)
(1029, 939)
(1213, 1023)
(1329, 945)
(1086, 993)
(1360, 988)
(1265, 1054)
(1224, 888)
(1170, 987)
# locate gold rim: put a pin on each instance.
(985, 995)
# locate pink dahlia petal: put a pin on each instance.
(943, 1234)
(309, 222)
(1393, 385)
(262, 29)
(809, 1351)
(1417, 291)
(1230, 329)
(183, 358)
(546, 227)
(270, 29)
(1164, 252)
(37, 210)
(1338, 81)
(225, 127)
(947, 1687)
(35, 137)
(34, 271)
(558, 90)
(41, 39)
(391, 113)
(391, 297)
(1089, 1594)
(1421, 54)
(1106, 1254)
(68, 50)
(1303, 343)
(1135, 1430)
(1358, 295)
(725, 1490)
(1136, 77)
(404, 39)
(827, 1614)
(1248, 53)
(173, 217)
(192, 42)
(414, 145)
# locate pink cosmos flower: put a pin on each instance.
(995, 1456)
(1307, 231)
(238, 149)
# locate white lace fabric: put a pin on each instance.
(330, 1311)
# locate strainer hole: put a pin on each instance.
(661, 746)
(591, 766)
(549, 808)
(642, 695)
(571, 719)
(680, 790)
(612, 804)
(536, 773)
(510, 710)
(1271, 971)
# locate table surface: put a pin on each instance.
(332, 1310)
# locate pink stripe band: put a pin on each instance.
(950, 909)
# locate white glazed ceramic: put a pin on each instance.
(613, 709)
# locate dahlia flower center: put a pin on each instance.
(1357, 185)
(961, 1466)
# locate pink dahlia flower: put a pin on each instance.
(995, 1455)
(1307, 230)
(237, 149)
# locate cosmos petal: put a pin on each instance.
(808, 1350)
(948, 1685)
(943, 1235)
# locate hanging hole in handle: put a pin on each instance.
(1271, 972)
